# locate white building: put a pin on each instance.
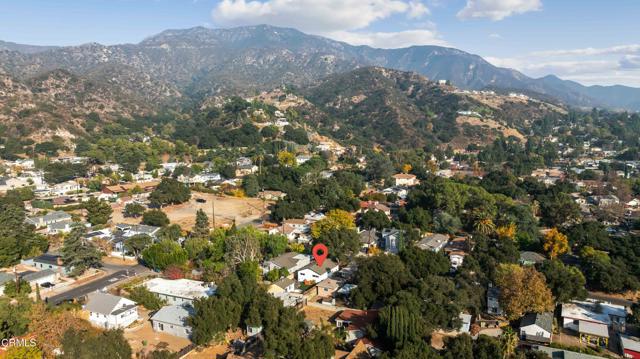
(180, 291)
(313, 273)
(537, 327)
(590, 311)
(110, 311)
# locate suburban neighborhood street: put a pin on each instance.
(93, 286)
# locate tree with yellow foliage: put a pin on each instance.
(335, 219)
(555, 243)
(406, 168)
(286, 158)
(507, 232)
(522, 290)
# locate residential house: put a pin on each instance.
(180, 291)
(528, 258)
(172, 319)
(405, 180)
(296, 230)
(314, 273)
(493, 301)
(375, 206)
(368, 239)
(327, 288)
(302, 159)
(39, 277)
(283, 285)
(110, 311)
(465, 320)
(434, 242)
(48, 261)
(610, 315)
(563, 354)
(457, 249)
(537, 327)
(291, 261)
(49, 219)
(392, 239)
(271, 195)
(244, 170)
(630, 347)
(127, 187)
(355, 322)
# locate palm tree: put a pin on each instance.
(509, 343)
(484, 226)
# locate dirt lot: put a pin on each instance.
(227, 209)
(144, 332)
(318, 316)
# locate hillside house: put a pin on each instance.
(405, 180)
(291, 261)
(172, 319)
(314, 273)
(180, 291)
(537, 327)
(108, 311)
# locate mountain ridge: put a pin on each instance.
(204, 62)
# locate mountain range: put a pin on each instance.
(200, 62)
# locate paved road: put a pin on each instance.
(93, 286)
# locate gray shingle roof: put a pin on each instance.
(543, 320)
(103, 303)
(173, 314)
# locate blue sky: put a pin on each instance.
(589, 41)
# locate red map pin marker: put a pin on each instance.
(320, 252)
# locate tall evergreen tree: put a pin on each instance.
(78, 253)
(201, 228)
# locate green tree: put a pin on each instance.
(136, 244)
(170, 191)
(401, 325)
(374, 219)
(378, 278)
(342, 243)
(88, 345)
(98, 212)
(144, 297)
(201, 227)
(155, 217)
(422, 263)
(133, 210)
(250, 185)
(566, 282)
(17, 239)
(15, 288)
(14, 316)
(163, 254)
(78, 253)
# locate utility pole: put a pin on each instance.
(213, 211)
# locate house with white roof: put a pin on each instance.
(110, 311)
(593, 318)
(180, 291)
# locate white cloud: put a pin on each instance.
(591, 51)
(495, 36)
(589, 66)
(390, 40)
(313, 16)
(417, 9)
(497, 9)
(344, 20)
